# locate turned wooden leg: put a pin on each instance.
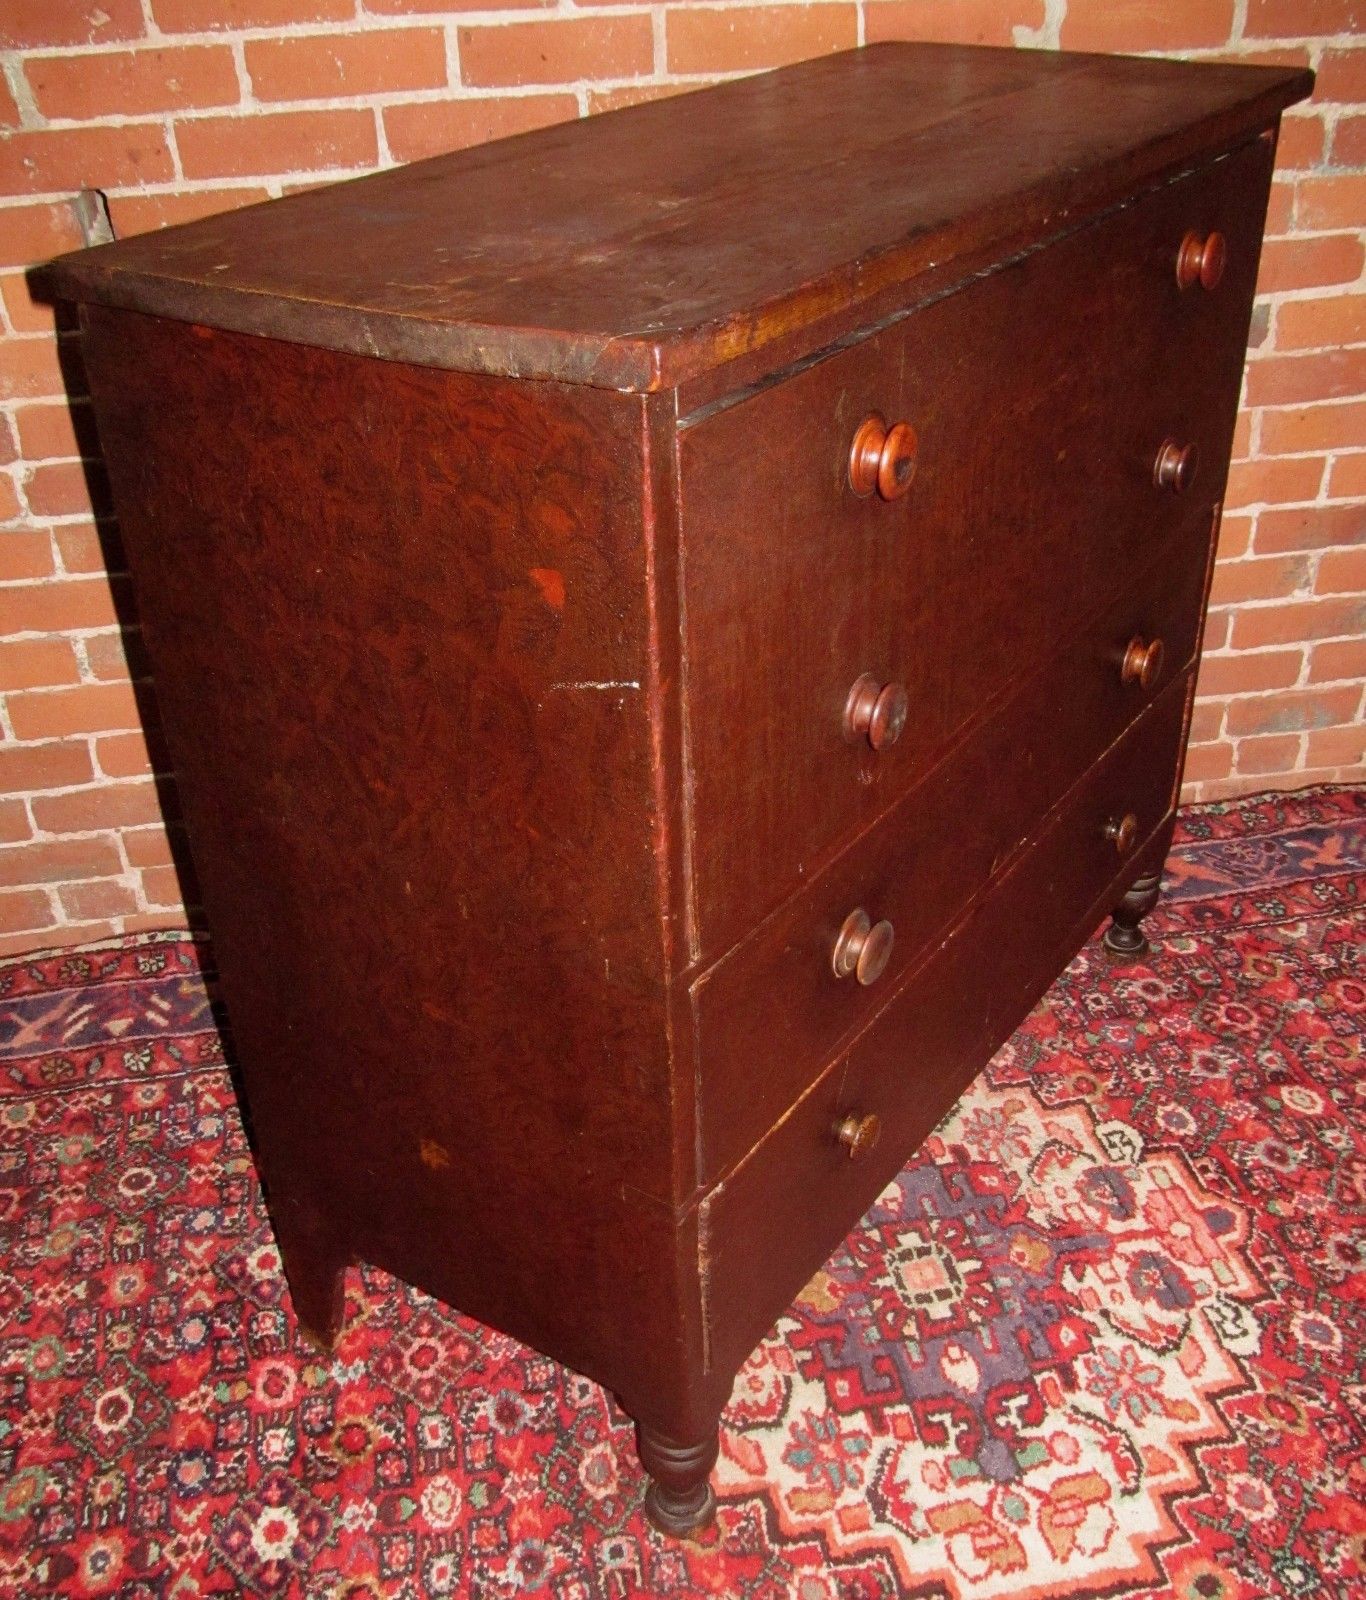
(679, 1499)
(1124, 937)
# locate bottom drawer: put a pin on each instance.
(770, 1225)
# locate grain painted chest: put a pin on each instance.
(672, 630)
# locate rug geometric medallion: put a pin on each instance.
(1106, 1335)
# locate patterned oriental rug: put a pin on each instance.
(1105, 1336)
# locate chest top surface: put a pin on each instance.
(640, 248)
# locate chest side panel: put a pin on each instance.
(399, 624)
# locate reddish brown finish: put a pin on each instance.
(1143, 662)
(790, 1201)
(859, 1135)
(875, 711)
(883, 458)
(1175, 466)
(1201, 259)
(1033, 501)
(773, 1002)
(524, 708)
(653, 244)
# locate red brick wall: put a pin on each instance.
(176, 108)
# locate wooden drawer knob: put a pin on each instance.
(877, 710)
(858, 1135)
(1123, 834)
(1142, 662)
(864, 948)
(1201, 259)
(1175, 466)
(882, 458)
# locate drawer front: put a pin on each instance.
(771, 1224)
(1040, 396)
(770, 1014)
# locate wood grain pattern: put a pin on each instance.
(1040, 395)
(660, 241)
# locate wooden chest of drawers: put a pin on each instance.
(672, 630)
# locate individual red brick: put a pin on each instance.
(140, 213)
(1337, 747)
(746, 38)
(1331, 202)
(60, 607)
(161, 886)
(1290, 711)
(133, 83)
(1347, 480)
(1252, 483)
(562, 50)
(1296, 19)
(325, 66)
(21, 909)
(1282, 528)
(9, 442)
(1275, 753)
(67, 488)
(1235, 535)
(277, 141)
(15, 826)
(10, 509)
(25, 553)
(124, 156)
(117, 655)
(427, 128)
(1309, 262)
(30, 367)
(1242, 436)
(204, 16)
(1207, 722)
(1339, 658)
(1321, 324)
(30, 24)
(1236, 581)
(1336, 425)
(1217, 625)
(101, 899)
(58, 713)
(953, 21)
(59, 861)
(1342, 571)
(1297, 620)
(1294, 380)
(9, 108)
(37, 664)
(56, 765)
(149, 847)
(632, 94)
(81, 549)
(1280, 209)
(124, 755)
(1342, 76)
(1349, 142)
(1206, 761)
(1302, 142)
(1129, 25)
(1249, 672)
(26, 315)
(30, 233)
(111, 805)
(48, 430)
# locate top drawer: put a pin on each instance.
(1040, 396)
